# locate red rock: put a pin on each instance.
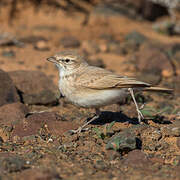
(11, 114)
(8, 93)
(35, 87)
(137, 158)
(151, 57)
(52, 122)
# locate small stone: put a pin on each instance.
(35, 87)
(137, 158)
(8, 93)
(127, 47)
(113, 155)
(41, 46)
(69, 42)
(166, 73)
(100, 165)
(135, 37)
(103, 47)
(124, 140)
(10, 114)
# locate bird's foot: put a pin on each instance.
(77, 131)
(140, 116)
(82, 128)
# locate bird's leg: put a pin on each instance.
(84, 125)
(140, 115)
(142, 106)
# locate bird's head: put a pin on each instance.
(67, 60)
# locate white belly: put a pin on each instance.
(100, 98)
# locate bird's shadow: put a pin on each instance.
(108, 117)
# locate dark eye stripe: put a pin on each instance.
(67, 60)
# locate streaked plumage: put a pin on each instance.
(89, 86)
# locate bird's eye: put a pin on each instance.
(67, 60)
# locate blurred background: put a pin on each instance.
(117, 34)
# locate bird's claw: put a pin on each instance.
(78, 131)
(140, 115)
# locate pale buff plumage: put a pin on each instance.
(92, 87)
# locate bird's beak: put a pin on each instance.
(52, 59)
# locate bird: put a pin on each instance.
(94, 87)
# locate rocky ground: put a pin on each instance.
(35, 119)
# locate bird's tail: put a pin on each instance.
(158, 89)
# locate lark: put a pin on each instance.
(93, 87)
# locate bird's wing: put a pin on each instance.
(98, 78)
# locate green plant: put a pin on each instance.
(105, 132)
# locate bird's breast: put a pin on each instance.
(66, 86)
